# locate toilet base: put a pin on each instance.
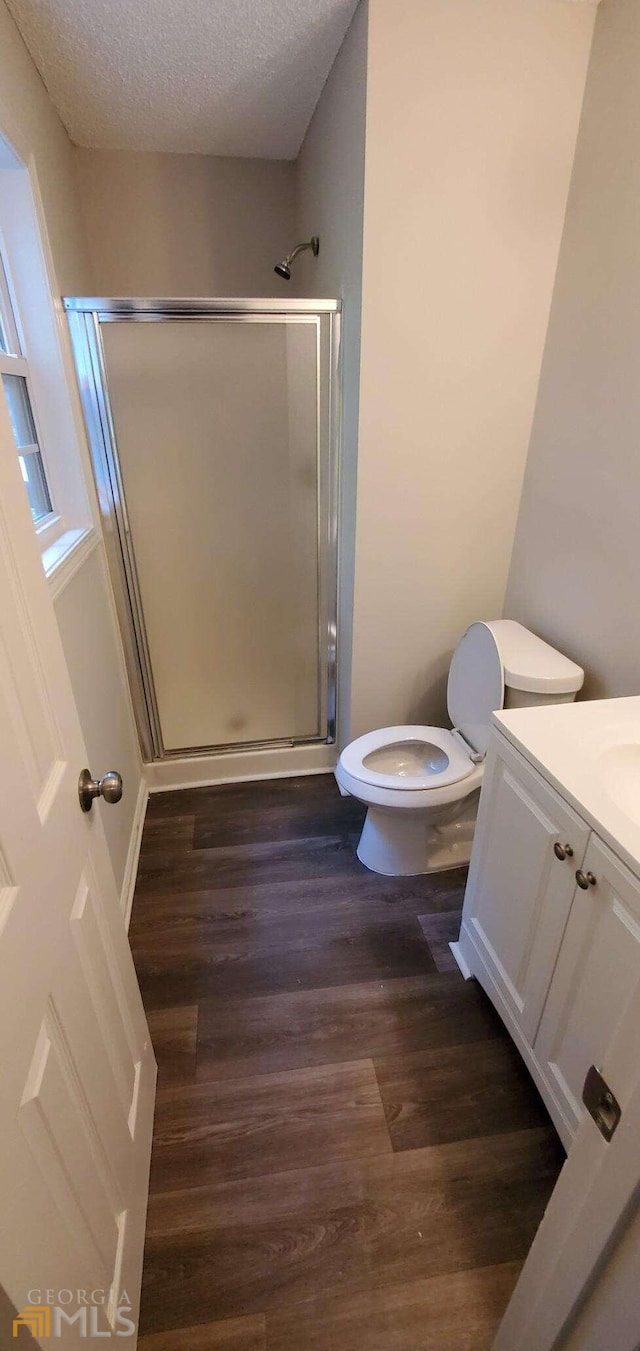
(401, 843)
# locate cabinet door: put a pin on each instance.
(519, 893)
(596, 977)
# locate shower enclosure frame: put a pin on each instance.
(86, 316)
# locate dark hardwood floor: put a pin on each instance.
(348, 1151)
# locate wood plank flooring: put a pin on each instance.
(348, 1150)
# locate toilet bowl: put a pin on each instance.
(421, 784)
(421, 787)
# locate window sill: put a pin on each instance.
(62, 559)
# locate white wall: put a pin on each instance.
(575, 574)
(28, 120)
(472, 116)
(330, 190)
(180, 225)
(472, 112)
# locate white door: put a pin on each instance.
(594, 1201)
(78, 1071)
(521, 880)
(596, 976)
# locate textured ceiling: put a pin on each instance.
(220, 77)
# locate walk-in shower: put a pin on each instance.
(213, 427)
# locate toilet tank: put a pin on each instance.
(534, 672)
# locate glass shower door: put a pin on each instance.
(221, 472)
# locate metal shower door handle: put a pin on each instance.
(109, 787)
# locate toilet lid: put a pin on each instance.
(476, 685)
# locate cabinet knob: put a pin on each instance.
(585, 880)
(562, 851)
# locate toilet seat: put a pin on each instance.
(458, 765)
(460, 777)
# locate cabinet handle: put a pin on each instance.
(562, 851)
(585, 880)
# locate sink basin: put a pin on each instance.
(621, 777)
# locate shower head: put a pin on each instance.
(283, 269)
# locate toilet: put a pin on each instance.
(421, 784)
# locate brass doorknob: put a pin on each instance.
(585, 880)
(109, 787)
(562, 850)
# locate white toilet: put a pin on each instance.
(421, 784)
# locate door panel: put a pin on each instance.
(519, 893)
(63, 1138)
(78, 1072)
(24, 683)
(217, 430)
(99, 971)
(597, 976)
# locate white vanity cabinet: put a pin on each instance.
(560, 960)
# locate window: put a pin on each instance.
(15, 378)
(37, 377)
